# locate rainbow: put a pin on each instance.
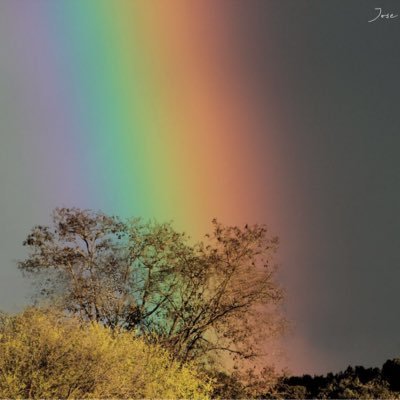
(143, 108)
(140, 110)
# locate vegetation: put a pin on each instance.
(354, 383)
(213, 303)
(137, 311)
(199, 301)
(46, 355)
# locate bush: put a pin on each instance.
(47, 355)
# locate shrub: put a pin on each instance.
(47, 355)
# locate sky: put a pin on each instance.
(283, 112)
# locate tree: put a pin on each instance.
(353, 383)
(391, 373)
(198, 300)
(46, 355)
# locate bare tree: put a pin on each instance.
(198, 300)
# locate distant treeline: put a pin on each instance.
(353, 383)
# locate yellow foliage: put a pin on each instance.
(46, 355)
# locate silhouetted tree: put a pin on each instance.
(354, 383)
(391, 373)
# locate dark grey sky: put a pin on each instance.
(336, 82)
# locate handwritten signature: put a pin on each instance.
(383, 15)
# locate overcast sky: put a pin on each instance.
(338, 96)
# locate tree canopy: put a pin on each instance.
(198, 300)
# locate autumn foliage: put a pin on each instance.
(46, 355)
